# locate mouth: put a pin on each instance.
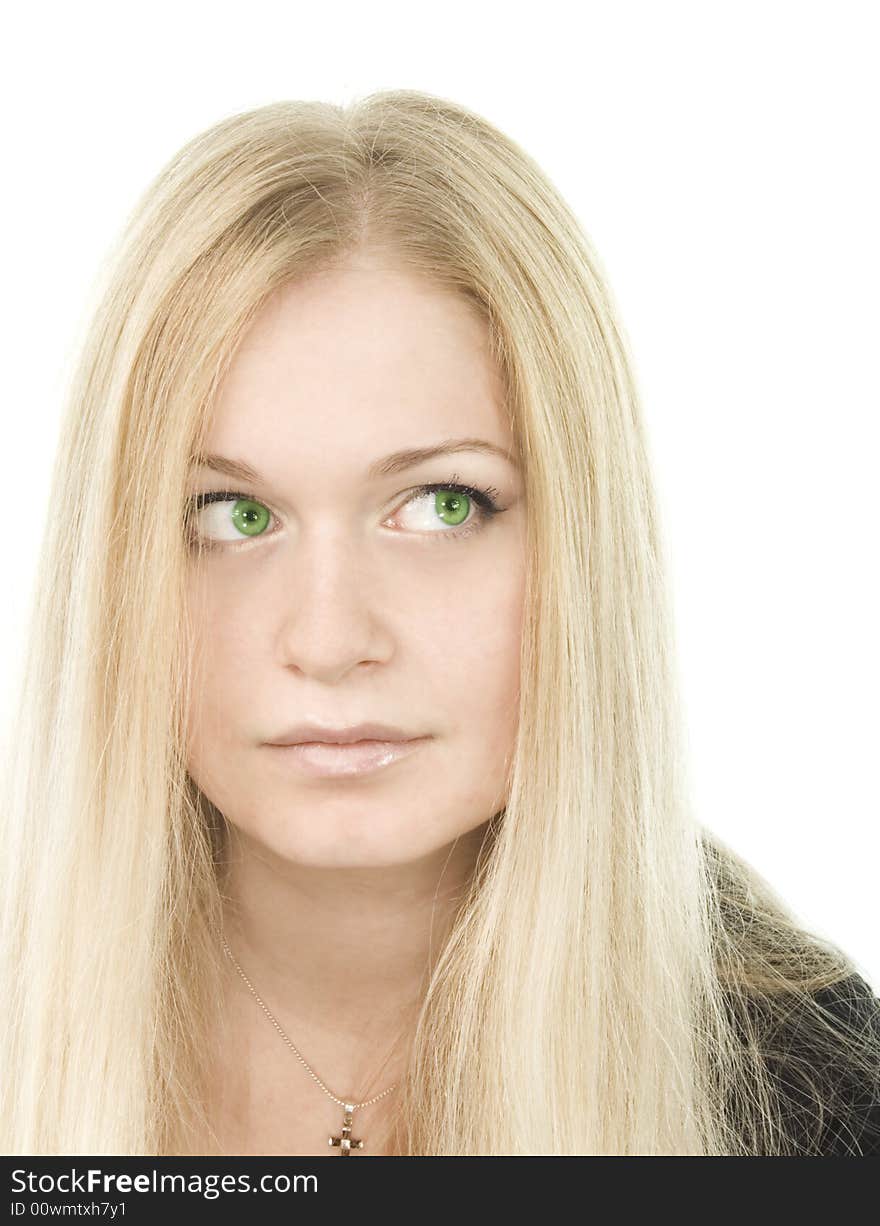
(333, 759)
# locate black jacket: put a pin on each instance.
(803, 1070)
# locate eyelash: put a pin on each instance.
(484, 498)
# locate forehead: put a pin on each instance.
(358, 362)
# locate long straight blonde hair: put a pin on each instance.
(613, 970)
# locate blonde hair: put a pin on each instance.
(615, 975)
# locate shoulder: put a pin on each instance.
(829, 1079)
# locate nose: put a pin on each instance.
(331, 615)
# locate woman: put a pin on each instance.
(365, 361)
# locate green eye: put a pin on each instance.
(210, 512)
(250, 517)
(452, 506)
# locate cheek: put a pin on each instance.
(478, 666)
(221, 665)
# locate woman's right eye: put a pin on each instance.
(248, 518)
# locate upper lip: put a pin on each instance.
(340, 736)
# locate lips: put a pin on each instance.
(334, 760)
(321, 734)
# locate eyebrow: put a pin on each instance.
(396, 462)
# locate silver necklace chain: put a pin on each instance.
(342, 1102)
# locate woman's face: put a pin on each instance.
(337, 593)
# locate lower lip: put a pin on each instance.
(320, 758)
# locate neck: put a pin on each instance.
(340, 956)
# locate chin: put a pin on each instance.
(346, 844)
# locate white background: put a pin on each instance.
(722, 159)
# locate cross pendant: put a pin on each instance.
(345, 1143)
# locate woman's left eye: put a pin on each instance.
(454, 505)
(443, 507)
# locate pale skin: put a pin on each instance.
(358, 603)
